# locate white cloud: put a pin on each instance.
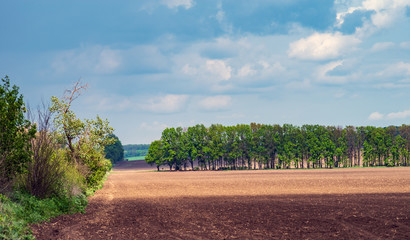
(110, 103)
(322, 73)
(393, 115)
(96, 59)
(376, 116)
(220, 17)
(219, 69)
(383, 14)
(246, 71)
(340, 16)
(167, 104)
(382, 46)
(386, 10)
(403, 67)
(322, 46)
(108, 60)
(389, 85)
(214, 70)
(213, 75)
(216, 102)
(399, 115)
(303, 85)
(400, 70)
(224, 64)
(187, 4)
(189, 70)
(261, 69)
(405, 45)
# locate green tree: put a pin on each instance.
(169, 146)
(114, 151)
(15, 133)
(85, 139)
(181, 148)
(155, 154)
(196, 137)
(215, 134)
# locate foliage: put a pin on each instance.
(53, 176)
(96, 163)
(55, 169)
(154, 155)
(260, 146)
(49, 173)
(85, 140)
(114, 151)
(134, 150)
(22, 208)
(15, 133)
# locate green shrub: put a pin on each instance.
(96, 165)
(33, 209)
(53, 176)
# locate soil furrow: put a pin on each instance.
(288, 204)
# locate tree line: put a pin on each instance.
(261, 146)
(134, 150)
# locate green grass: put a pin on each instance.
(20, 209)
(136, 158)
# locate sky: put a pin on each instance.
(153, 64)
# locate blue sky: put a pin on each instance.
(152, 64)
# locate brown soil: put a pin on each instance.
(371, 203)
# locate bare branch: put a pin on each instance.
(71, 95)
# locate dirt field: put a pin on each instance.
(371, 203)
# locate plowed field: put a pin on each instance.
(370, 203)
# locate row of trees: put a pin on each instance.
(52, 152)
(134, 150)
(258, 146)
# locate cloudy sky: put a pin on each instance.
(152, 64)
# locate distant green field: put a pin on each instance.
(135, 158)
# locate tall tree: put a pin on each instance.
(114, 151)
(85, 139)
(196, 136)
(15, 133)
(169, 147)
(216, 150)
(155, 154)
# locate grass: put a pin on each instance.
(136, 158)
(21, 209)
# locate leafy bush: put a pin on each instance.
(54, 177)
(49, 173)
(96, 165)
